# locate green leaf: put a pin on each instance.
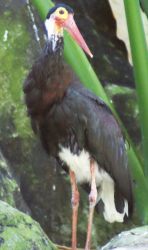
(140, 61)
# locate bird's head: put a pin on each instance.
(59, 18)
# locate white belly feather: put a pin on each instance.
(80, 165)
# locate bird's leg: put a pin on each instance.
(92, 203)
(75, 205)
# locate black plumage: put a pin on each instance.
(65, 114)
(70, 10)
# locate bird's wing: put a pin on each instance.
(104, 139)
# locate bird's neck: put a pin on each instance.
(54, 46)
(47, 81)
(55, 68)
(56, 74)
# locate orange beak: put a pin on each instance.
(72, 28)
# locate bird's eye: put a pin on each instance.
(61, 12)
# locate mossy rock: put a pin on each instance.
(7, 183)
(20, 232)
(10, 190)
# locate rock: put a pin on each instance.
(10, 191)
(19, 231)
(134, 239)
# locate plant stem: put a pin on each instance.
(140, 62)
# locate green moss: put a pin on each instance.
(114, 89)
(8, 185)
(19, 232)
(14, 40)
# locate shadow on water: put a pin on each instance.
(44, 186)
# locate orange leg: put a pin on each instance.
(92, 203)
(75, 205)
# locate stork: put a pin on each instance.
(78, 128)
